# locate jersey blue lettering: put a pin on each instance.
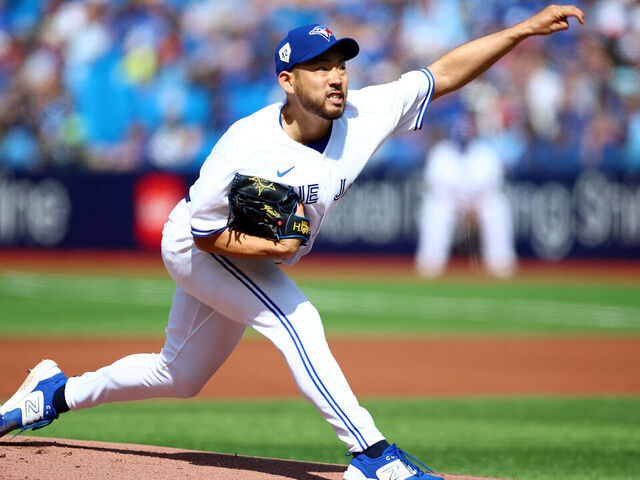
(343, 190)
(313, 193)
(308, 193)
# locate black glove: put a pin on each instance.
(265, 209)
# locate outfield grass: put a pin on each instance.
(523, 438)
(111, 305)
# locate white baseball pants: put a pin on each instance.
(216, 298)
(441, 210)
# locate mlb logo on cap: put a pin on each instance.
(309, 41)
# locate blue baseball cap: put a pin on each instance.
(309, 41)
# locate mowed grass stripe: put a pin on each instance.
(371, 307)
(150, 291)
(476, 309)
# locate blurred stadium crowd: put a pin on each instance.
(130, 85)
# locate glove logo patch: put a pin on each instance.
(301, 227)
(260, 184)
(269, 211)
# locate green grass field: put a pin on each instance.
(525, 438)
(55, 304)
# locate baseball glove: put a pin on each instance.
(265, 209)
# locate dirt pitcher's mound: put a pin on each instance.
(33, 458)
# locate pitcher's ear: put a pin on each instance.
(287, 82)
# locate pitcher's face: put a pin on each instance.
(321, 84)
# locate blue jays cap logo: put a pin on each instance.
(321, 30)
(305, 42)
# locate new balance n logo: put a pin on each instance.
(395, 470)
(32, 408)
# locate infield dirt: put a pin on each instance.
(29, 457)
(453, 366)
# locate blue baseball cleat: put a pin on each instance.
(393, 464)
(31, 407)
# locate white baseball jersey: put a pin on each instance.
(459, 181)
(257, 145)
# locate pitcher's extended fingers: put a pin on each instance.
(571, 11)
